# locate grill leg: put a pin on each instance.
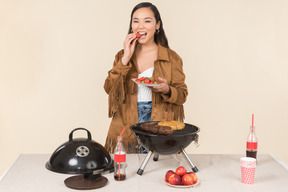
(156, 156)
(194, 168)
(144, 163)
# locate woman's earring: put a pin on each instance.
(157, 31)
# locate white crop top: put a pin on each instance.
(144, 93)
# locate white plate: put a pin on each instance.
(181, 186)
(147, 85)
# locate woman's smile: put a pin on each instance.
(144, 23)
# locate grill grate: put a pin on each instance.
(188, 130)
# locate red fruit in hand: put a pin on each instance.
(168, 174)
(174, 179)
(187, 179)
(181, 171)
(138, 35)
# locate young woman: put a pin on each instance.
(148, 56)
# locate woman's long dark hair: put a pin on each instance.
(160, 36)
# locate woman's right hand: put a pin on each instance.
(129, 48)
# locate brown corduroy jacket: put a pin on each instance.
(122, 93)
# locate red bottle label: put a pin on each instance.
(119, 158)
(252, 145)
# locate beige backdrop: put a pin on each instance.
(55, 55)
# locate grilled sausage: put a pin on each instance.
(145, 126)
(165, 130)
(156, 129)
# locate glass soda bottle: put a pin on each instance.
(252, 144)
(119, 161)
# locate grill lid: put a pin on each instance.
(79, 156)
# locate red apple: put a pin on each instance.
(193, 175)
(168, 174)
(187, 179)
(174, 179)
(181, 171)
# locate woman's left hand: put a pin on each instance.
(163, 86)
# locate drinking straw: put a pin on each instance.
(252, 127)
(120, 137)
(252, 119)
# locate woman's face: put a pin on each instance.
(144, 22)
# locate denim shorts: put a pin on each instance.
(144, 111)
(144, 115)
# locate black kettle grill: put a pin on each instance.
(166, 144)
(82, 156)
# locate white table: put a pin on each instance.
(216, 173)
